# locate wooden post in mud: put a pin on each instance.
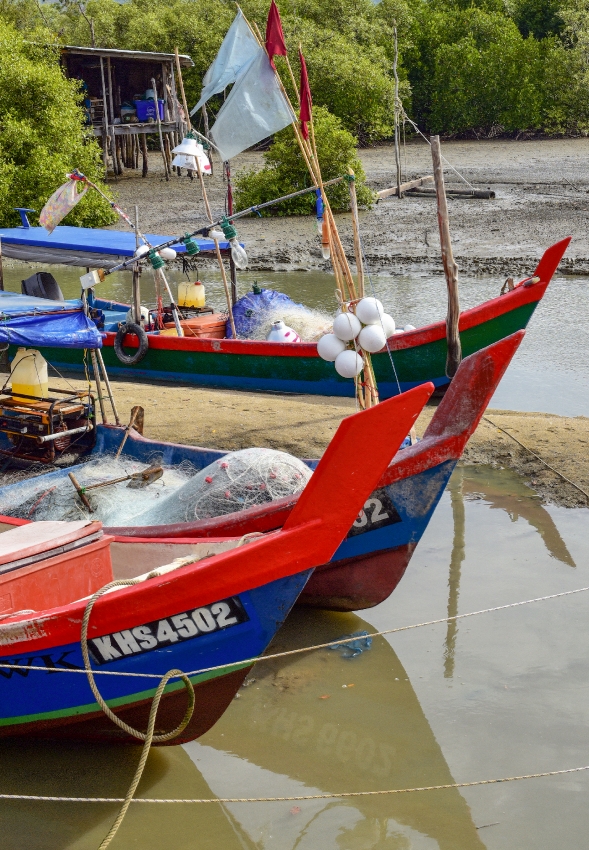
(396, 111)
(450, 268)
(159, 128)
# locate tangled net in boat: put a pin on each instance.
(53, 497)
(309, 324)
(237, 481)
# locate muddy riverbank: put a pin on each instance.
(541, 195)
(304, 425)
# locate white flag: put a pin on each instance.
(238, 49)
(254, 110)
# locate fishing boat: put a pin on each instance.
(192, 615)
(417, 356)
(371, 560)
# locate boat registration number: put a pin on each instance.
(167, 631)
(377, 512)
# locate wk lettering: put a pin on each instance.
(52, 663)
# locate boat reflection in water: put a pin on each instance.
(321, 723)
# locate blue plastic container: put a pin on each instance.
(146, 110)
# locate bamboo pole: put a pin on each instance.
(356, 229)
(207, 205)
(159, 129)
(105, 133)
(136, 274)
(1, 267)
(454, 355)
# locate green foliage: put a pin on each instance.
(465, 66)
(42, 136)
(285, 170)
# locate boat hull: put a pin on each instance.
(64, 707)
(418, 356)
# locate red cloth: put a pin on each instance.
(275, 44)
(306, 99)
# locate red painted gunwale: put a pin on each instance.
(524, 293)
(333, 495)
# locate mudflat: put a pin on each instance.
(541, 191)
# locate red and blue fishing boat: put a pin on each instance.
(195, 616)
(418, 355)
(372, 558)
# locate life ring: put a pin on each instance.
(131, 328)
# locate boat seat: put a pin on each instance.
(47, 564)
(42, 285)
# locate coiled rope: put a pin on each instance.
(147, 737)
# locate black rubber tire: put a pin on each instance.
(131, 328)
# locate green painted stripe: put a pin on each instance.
(113, 703)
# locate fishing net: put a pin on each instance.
(309, 324)
(235, 482)
(53, 496)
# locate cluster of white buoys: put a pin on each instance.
(368, 327)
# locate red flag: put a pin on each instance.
(306, 100)
(275, 44)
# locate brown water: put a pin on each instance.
(548, 372)
(494, 695)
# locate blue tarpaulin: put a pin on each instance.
(38, 322)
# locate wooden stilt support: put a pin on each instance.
(144, 154)
(159, 129)
(450, 268)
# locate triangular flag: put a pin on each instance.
(238, 49)
(275, 44)
(305, 113)
(254, 110)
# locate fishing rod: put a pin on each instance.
(203, 231)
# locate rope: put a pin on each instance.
(560, 474)
(449, 164)
(147, 737)
(249, 661)
(299, 797)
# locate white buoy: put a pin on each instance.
(346, 326)
(145, 318)
(372, 338)
(142, 251)
(369, 310)
(279, 332)
(348, 364)
(388, 324)
(329, 346)
(409, 328)
(167, 254)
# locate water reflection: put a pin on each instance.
(321, 723)
(506, 491)
(456, 560)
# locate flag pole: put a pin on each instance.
(206, 200)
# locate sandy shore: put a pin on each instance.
(541, 196)
(304, 425)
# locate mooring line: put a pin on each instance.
(248, 661)
(552, 468)
(294, 798)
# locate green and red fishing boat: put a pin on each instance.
(412, 358)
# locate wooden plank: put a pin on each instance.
(486, 194)
(404, 187)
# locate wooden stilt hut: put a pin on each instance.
(121, 103)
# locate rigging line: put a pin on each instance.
(449, 164)
(343, 794)
(366, 266)
(515, 439)
(249, 661)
